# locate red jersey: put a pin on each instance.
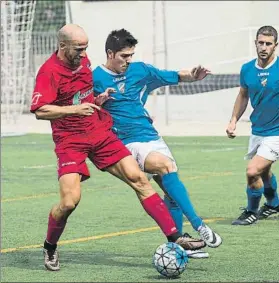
(58, 84)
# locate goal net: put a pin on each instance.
(28, 38)
(16, 29)
(49, 17)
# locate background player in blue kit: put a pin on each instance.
(259, 81)
(132, 83)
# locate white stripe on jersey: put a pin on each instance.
(142, 92)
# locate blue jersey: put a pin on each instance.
(263, 90)
(132, 122)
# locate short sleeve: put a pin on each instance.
(97, 83)
(161, 78)
(45, 91)
(242, 77)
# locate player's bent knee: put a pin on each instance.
(140, 184)
(166, 168)
(69, 205)
(252, 172)
(137, 177)
(70, 201)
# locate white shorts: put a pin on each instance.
(140, 150)
(266, 147)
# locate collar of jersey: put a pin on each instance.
(268, 66)
(60, 62)
(109, 71)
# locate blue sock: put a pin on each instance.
(179, 194)
(254, 198)
(175, 212)
(270, 192)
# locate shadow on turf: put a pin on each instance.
(162, 278)
(33, 259)
(228, 221)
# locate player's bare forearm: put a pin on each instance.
(196, 74)
(51, 112)
(240, 105)
(186, 76)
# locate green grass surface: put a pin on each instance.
(214, 172)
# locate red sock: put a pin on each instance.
(55, 229)
(157, 209)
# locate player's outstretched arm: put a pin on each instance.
(196, 74)
(51, 112)
(239, 108)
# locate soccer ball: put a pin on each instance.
(170, 260)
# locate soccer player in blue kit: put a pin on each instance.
(259, 81)
(129, 84)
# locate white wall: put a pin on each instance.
(100, 18)
(190, 25)
(184, 20)
(215, 106)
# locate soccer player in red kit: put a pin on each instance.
(63, 94)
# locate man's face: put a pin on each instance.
(74, 51)
(120, 60)
(266, 46)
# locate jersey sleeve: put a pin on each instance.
(97, 82)
(161, 78)
(97, 88)
(45, 91)
(242, 77)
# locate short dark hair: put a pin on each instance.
(269, 31)
(119, 39)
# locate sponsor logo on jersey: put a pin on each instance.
(79, 96)
(263, 74)
(68, 163)
(263, 78)
(118, 79)
(276, 154)
(121, 87)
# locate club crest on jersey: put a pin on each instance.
(35, 98)
(121, 87)
(263, 81)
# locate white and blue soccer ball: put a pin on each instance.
(170, 260)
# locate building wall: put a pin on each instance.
(217, 34)
(212, 33)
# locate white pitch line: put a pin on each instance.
(39, 166)
(201, 143)
(223, 149)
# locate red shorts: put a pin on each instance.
(103, 151)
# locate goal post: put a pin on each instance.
(28, 38)
(16, 31)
